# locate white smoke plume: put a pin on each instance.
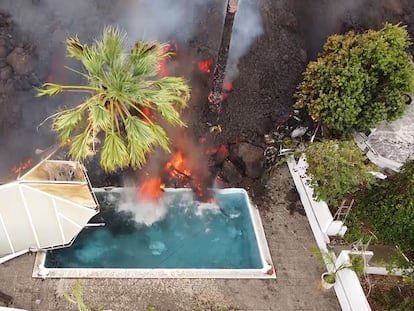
(247, 28)
(161, 19)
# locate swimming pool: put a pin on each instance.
(178, 238)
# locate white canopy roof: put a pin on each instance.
(395, 140)
(46, 207)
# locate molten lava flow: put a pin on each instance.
(227, 85)
(227, 88)
(57, 70)
(182, 174)
(222, 151)
(215, 98)
(204, 66)
(163, 69)
(148, 114)
(177, 166)
(171, 47)
(151, 189)
(22, 167)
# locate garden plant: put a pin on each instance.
(125, 100)
(359, 80)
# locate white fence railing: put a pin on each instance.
(348, 289)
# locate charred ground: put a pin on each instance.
(262, 94)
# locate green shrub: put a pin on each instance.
(359, 80)
(388, 209)
(394, 299)
(337, 169)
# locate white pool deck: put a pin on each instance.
(267, 270)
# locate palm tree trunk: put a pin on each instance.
(215, 98)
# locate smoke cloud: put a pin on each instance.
(317, 21)
(161, 19)
(247, 28)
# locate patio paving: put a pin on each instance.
(289, 236)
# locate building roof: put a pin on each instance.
(45, 207)
(395, 140)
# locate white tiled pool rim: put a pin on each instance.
(267, 270)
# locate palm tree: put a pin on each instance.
(122, 86)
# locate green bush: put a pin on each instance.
(337, 169)
(359, 80)
(388, 209)
(394, 299)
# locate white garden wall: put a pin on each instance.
(348, 289)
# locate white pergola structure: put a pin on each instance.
(390, 144)
(46, 207)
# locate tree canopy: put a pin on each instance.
(125, 99)
(359, 80)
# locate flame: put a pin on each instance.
(204, 66)
(22, 166)
(180, 171)
(177, 166)
(151, 189)
(171, 47)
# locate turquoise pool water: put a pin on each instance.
(188, 235)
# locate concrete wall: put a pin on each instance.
(348, 289)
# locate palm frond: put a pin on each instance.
(145, 58)
(100, 117)
(138, 130)
(93, 61)
(114, 152)
(112, 45)
(140, 139)
(174, 86)
(66, 122)
(169, 114)
(75, 48)
(161, 136)
(137, 152)
(81, 146)
(50, 89)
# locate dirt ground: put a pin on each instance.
(297, 287)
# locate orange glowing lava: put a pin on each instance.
(227, 85)
(211, 200)
(170, 48)
(151, 189)
(221, 151)
(22, 167)
(204, 66)
(177, 165)
(148, 115)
